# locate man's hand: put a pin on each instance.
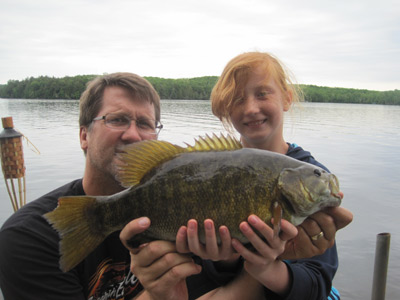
(161, 270)
(328, 222)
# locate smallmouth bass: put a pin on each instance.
(214, 179)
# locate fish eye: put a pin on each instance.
(317, 172)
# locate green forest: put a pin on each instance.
(198, 88)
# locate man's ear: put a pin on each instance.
(83, 137)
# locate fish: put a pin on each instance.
(216, 179)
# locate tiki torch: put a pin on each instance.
(12, 162)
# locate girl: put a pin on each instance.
(251, 96)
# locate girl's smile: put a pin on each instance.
(255, 123)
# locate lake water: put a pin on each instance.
(359, 143)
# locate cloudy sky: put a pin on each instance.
(341, 43)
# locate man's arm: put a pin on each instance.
(29, 267)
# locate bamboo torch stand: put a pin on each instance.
(12, 161)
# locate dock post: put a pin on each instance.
(380, 266)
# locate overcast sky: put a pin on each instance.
(338, 43)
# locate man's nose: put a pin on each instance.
(132, 134)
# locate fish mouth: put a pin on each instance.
(334, 188)
(338, 195)
(255, 123)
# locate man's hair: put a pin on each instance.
(92, 98)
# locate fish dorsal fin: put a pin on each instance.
(215, 143)
(139, 158)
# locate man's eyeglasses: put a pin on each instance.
(123, 122)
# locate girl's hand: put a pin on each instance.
(264, 263)
(187, 240)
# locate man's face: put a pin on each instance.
(101, 143)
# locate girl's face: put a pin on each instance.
(258, 116)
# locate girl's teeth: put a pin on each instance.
(255, 123)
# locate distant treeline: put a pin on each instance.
(198, 88)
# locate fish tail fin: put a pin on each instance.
(73, 220)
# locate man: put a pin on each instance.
(115, 110)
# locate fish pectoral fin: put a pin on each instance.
(70, 220)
